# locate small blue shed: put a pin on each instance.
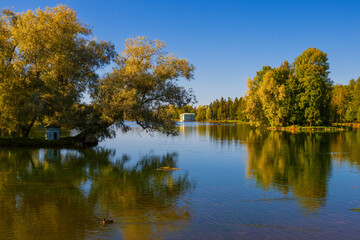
(52, 132)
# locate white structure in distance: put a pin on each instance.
(187, 117)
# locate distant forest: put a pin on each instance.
(300, 93)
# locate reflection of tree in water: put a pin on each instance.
(345, 147)
(46, 193)
(225, 134)
(38, 198)
(281, 160)
(297, 162)
(145, 200)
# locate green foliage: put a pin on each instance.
(254, 109)
(297, 94)
(201, 114)
(351, 101)
(339, 102)
(272, 94)
(219, 110)
(209, 113)
(311, 71)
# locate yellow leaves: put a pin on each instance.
(50, 63)
(282, 93)
(143, 82)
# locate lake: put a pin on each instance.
(231, 182)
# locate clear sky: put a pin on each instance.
(228, 41)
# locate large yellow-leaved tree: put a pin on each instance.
(47, 61)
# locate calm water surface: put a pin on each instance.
(235, 182)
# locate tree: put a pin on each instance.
(48, 61)
(339, 101)
(312, 70)
(221, 112)
(215, 106)
(209, 113)
(254, 110)
(172, 112)
(234, 108)
(240, 111)
(229, 105)
(353, 108)
(295, 94)
(272, 96)
(201, 114)
(143, 84)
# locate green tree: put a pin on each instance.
(234, 108)
(353, 109)
(201, 114)
(241, 110)
(229, 105)
(216, 105)
(209, 113)
(172, 112)
(254, 110)
(221, 111)
(272, 94)
(339, 102)
(312, 70)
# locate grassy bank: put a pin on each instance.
(226, 121)
(38, 142)
(352, 125)
(311, 128)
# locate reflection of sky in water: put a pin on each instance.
(216, 166)
(235, 182)
(86, 187)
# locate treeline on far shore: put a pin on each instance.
(218, 110)
(300, 94)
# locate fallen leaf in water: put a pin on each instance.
(168, 169)
(355, 209)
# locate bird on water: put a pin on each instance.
(107, 221)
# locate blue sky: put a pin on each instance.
(228, 41)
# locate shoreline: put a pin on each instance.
(71, 142)
(335, 127)
(311, 129)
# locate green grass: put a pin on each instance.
(227, 121)
(296, 128)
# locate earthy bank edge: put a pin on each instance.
(334, 127)
(73, 142)
(70, 142)
(306, 129)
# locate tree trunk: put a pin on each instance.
(86, 139)
(25, 129)
(25, 132)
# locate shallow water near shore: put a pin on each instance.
(224, 182)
